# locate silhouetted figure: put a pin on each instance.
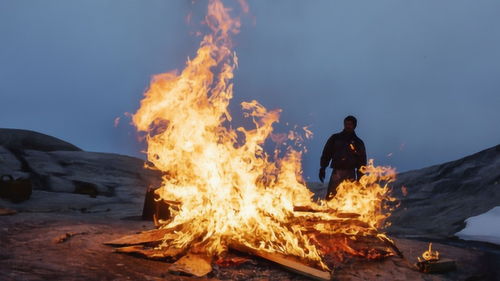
(345, 153)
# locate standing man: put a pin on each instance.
(345, 153)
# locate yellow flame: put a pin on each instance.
(366, 197)
(429, 255)
(227, 186)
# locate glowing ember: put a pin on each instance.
(229, 190)
(429, 255)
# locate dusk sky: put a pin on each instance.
(422, 77)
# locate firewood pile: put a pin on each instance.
(337, 248)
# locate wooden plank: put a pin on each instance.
(348, 215)
(288, 263)
(149, 236)
(340, 223)
(440, 266)
(151, 253)
(308, 209)
(194, 264)
(392, 245)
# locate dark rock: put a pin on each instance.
(82, 187)
(25, 139)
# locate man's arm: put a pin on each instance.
(327, 154)
(326, 157)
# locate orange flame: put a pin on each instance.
(228, 187)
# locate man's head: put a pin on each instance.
(350, 123)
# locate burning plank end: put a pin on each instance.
(289, 264)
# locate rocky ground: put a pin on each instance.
(82, 199)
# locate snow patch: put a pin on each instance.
(484, 227)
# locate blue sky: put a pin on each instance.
(423, 77)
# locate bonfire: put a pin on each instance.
(225, 192)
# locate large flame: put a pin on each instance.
(227, 187)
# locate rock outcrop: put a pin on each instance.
(54, 165)
(439, 198)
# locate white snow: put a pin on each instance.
(484, 227)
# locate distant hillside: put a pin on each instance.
(25, 139)
(441, 197)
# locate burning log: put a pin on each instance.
(333, 225)
(310, 209)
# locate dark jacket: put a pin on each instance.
(345, 151)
